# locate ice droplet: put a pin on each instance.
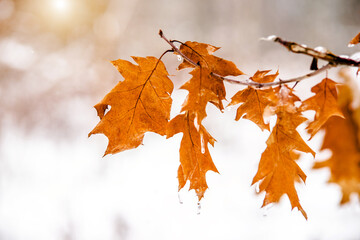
(284, 94)
(269, 38)
(179, 197)
(202, 143)
(107, 109)
(257, 187)
(351, 45)
(304, 45)
(198, 208)
(356, 56)
(196, 123)
(344, 56)
(320, 49)
(266, 209)
(229, 108)
(179, 58)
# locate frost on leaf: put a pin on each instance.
(139, 104)
(277, 168)
(342, 138)
(324, 103)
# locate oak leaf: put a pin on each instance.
(195, 159)
(277, 168)
(356, 39)
(342, 138)
(324, 103)
(255, 101)
(139, 104)
(202, 53)
(263, 77)
(203, 88)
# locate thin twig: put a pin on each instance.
(298, 79)
(229, 80)
(261, 85)
(177, 49)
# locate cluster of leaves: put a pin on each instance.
(142, 102)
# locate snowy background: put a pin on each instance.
(54, 66)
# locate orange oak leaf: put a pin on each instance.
(203, 88)
(277, 168)
(255, 101)
(278, 179)
(262, 77)
(356, 39)
(324, 103)
(139, 104)
(195, 159)
(342, 138)
(202, 53)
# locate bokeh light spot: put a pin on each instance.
(61, 5)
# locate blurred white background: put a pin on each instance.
(54, 66)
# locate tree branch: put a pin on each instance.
(294, 47)
(324, 55)
(177, 50)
